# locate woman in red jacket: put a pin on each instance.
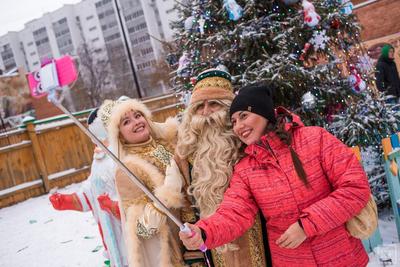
(306, 182)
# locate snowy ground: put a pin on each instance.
(33, 234)
(391, 246)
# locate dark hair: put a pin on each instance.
(286, 137)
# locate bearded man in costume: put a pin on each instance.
(207, 142)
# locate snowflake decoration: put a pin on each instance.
(319, 39)
(365, 64)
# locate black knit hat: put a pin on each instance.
(92, 116)
(256, 98)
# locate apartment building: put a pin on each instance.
(12, 53)
(94, 26)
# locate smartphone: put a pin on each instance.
(55, 73)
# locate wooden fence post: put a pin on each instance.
(37, 153)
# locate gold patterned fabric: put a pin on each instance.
(251, 251)
(151, 151)
(214, 82)
(105, 111)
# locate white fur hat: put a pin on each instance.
(118, 111)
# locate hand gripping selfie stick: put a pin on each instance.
(48, 81)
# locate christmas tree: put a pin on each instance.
(309, 51)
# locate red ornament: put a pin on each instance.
(335, 24)
(193, 80)
(307, 46)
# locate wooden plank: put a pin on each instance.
(38, 156)
(21, 195)
(17, 146)
(387, 147)
(13, 137)
(356, 150)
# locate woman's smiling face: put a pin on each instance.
(134, 128)
(248, 126)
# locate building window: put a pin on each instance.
(134, 15)
(112, 37)
(62, 21)
(42, 41)
(131, 29)
(30, 44)
(32, 54)
(92, 28)
(95, 39)
(90, 17)
(106, 13)
(35, 63)
(146, 51)
(141, 26)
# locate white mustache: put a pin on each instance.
(215, 119)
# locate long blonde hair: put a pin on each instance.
(211, 143)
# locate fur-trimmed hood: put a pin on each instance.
(165, 132)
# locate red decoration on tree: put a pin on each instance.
(307, 46)
(335, 24)
(193, 80)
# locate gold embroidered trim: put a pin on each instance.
(153, 152)
(188, 215)
(145, 233)
(136, 201)
(256, 244)
(105, 111)
(218, 260)
(214, 82)
(162, 155)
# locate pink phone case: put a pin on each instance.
(66, 72)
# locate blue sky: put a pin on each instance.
(15, 13)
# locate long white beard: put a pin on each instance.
(215, 153)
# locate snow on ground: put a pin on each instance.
(33, 234)
(391, 246)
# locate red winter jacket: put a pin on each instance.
(266, 179)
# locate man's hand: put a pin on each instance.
(292, 237)
(193, 240)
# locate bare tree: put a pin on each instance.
(95, 73)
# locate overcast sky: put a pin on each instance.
(15, 13)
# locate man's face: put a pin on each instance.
(391, 53)
(208, 107)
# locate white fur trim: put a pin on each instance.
(132, 241)
(170, 197)
(137, 164)
(166, 131)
